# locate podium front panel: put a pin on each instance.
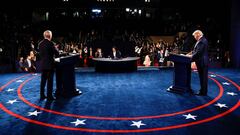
(182, 73)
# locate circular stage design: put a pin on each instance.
(138, 124)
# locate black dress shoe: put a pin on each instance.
(42, 97)
(51, 98)
(201, 94)
(191, 91)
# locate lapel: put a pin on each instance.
(195, 46)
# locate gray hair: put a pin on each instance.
(47, 34)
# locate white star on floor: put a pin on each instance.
(231, 93)
(226, 83)
(35, 113)
(137, 123)
(79, 122)
(35, 74)
(221, 105)
(12, 101)
(10, 89)
(212, 75)
(19, 81)
(190, 116)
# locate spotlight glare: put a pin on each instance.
(96, 10)
(140, 11)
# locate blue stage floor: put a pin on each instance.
(122, 103)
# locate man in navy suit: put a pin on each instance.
(47, 53)
(115, 54)
(200, 57)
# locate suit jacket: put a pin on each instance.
(200, 52)
(118, 55)
(47, 53)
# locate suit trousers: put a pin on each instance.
(203, 76)
(47, 77)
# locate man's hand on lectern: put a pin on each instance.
(189, 54)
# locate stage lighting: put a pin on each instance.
(97, 11)
(140, 11)
(76, 14)
(47, 16)
(148, 15)
(1, 50)
(127, 9)
(63, 13)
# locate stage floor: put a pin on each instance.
(122, 103)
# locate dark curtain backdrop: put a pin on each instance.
(235, 33)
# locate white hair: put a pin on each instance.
(198, 32)
(47, 34)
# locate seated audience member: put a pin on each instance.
(21, 64)
(160, 57)
(99, 53)
(193, 66)
(115, 54)
(28, 64)
(33, 59)
(90, 56)
(147, 61)
(80, 63)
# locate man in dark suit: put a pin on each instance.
(115, 54)
(200, 57)
(47, 53)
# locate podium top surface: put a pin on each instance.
(70, 57)
(179, 58)
(116, 60)
(180, 55)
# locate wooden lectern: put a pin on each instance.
(182, 73)
(65, 76)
